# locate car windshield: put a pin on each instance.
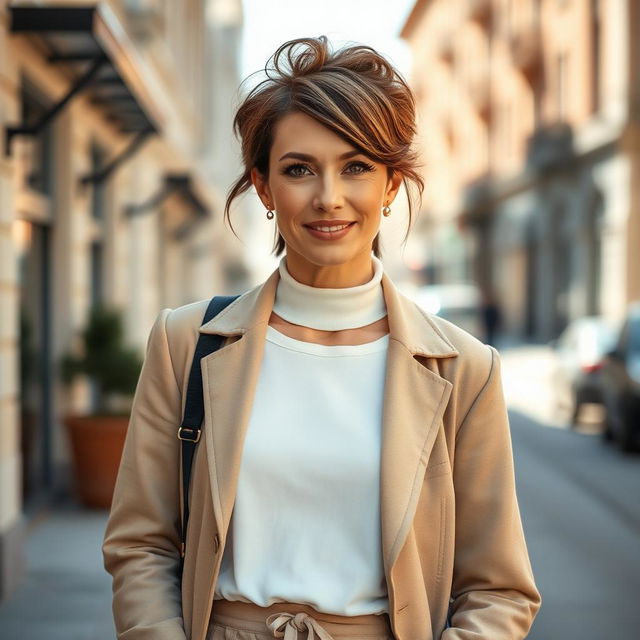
(602, 336)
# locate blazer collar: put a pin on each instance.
(408, 324)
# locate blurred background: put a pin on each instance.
(117, 152)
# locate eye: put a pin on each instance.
(360, 167)
(296, 170)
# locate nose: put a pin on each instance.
(329, 196)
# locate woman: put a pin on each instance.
(354, 477)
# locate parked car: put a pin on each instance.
(621, 384)
(576, 375)
(459, 303)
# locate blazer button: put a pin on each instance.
(216, 543)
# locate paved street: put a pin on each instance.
(581, 512)
(580, 509)
(579, 502)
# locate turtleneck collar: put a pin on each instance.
(330, 309)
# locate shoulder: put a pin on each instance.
(472, 362)
(450, 341)
(177, 332)
(186, 318)
(467, 345)
(474, 374)
(190, 317)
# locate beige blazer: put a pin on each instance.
(452, 537)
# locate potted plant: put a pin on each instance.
(97, 439)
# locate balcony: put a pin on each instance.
(478, 89)
(525, 35)
(526, 47)
(446, 47)
(480, 11)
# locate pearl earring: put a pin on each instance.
(269, 214)
(386, 211)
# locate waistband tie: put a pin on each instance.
(286, 625)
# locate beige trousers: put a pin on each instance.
(234, 620)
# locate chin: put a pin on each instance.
(329, 257)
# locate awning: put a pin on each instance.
(104, 63)
(185, 187)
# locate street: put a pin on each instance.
(581, 514)
(580, 509)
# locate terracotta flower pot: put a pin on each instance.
(96, 445)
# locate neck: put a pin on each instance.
(330, 309)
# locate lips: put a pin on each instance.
(329, 229)
(324, 224)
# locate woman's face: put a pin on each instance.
(328, 199)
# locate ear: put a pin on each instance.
(262, 188)
(393, 186)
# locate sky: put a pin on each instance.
(377, 23)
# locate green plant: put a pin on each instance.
(113, 367)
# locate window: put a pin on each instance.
(98, 193)
(39, 148)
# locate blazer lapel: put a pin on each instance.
(229, 377)
(415, 399)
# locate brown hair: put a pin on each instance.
(354, 91)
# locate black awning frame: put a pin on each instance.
(70, 25)
(172, 184)
(82, 83)
(134, 144)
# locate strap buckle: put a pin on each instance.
(189, 433)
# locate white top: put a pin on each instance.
(330, 309)
(306, 521)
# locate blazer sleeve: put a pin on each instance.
(493, 592)
(142, 540)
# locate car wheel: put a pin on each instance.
(575, 413)
(626, 439)
(608, 433)
(563, 402)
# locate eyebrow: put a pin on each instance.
(309, 158)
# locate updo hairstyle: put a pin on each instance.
(354, 91)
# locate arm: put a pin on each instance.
(141, 545)
(493, 593)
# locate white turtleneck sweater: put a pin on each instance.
(306, 520)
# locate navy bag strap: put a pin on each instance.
(189, 431)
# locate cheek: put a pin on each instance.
(370, 188)
(368, 197)
(363, 195)
(289, 200)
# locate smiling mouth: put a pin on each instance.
(333, 228)
(329, 231)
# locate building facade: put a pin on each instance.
(529, 131)
(112, 177)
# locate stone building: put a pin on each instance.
(115, 158)
(529, 128)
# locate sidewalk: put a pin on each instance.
(66, 594)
